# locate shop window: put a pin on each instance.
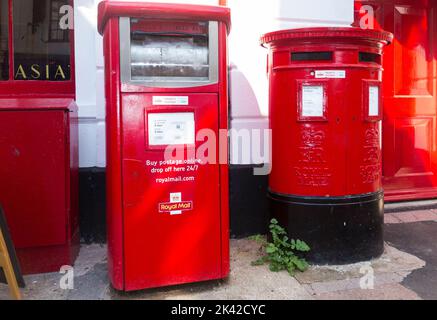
(41, 46)
(57, 34)
(4, 40)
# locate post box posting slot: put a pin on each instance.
(168, 54)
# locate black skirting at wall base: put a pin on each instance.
(339, 230)
(92, 205)
(248, 201)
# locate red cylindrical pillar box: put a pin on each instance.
(325, 116)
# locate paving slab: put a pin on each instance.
(393, 291)
(355, 283)
(391, 218)
(392, 261)
(419, 239)
(411, 216)
(410, 206)
(90, 279)
(426, 215)
(245, 282)
(407, 217)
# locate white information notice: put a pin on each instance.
(330, 74)
(373, 101)
(171, 129)
(312, 101)
(170, 101)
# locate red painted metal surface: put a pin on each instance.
(335, 151)
(38, 180)
(114, 206)
(165, 11)
(410, 97)
(39, 167)
(148, 248)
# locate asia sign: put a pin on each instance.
(50, 72)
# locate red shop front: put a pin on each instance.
(409, 95)
(38, 134)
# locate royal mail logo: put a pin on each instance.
(176, 205)
(181, 206)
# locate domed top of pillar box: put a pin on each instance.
(327, 35)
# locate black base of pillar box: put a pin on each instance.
(339, 230)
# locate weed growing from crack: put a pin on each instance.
(282, 253)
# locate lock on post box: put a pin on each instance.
(166, 89)
(325, 116)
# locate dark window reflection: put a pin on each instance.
(4, 38)
(41, 45)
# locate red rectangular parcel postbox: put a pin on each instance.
(166, 93)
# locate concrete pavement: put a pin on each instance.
(407, 270)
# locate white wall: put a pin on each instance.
(250, 20)
(249, 90)
(90, 93)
